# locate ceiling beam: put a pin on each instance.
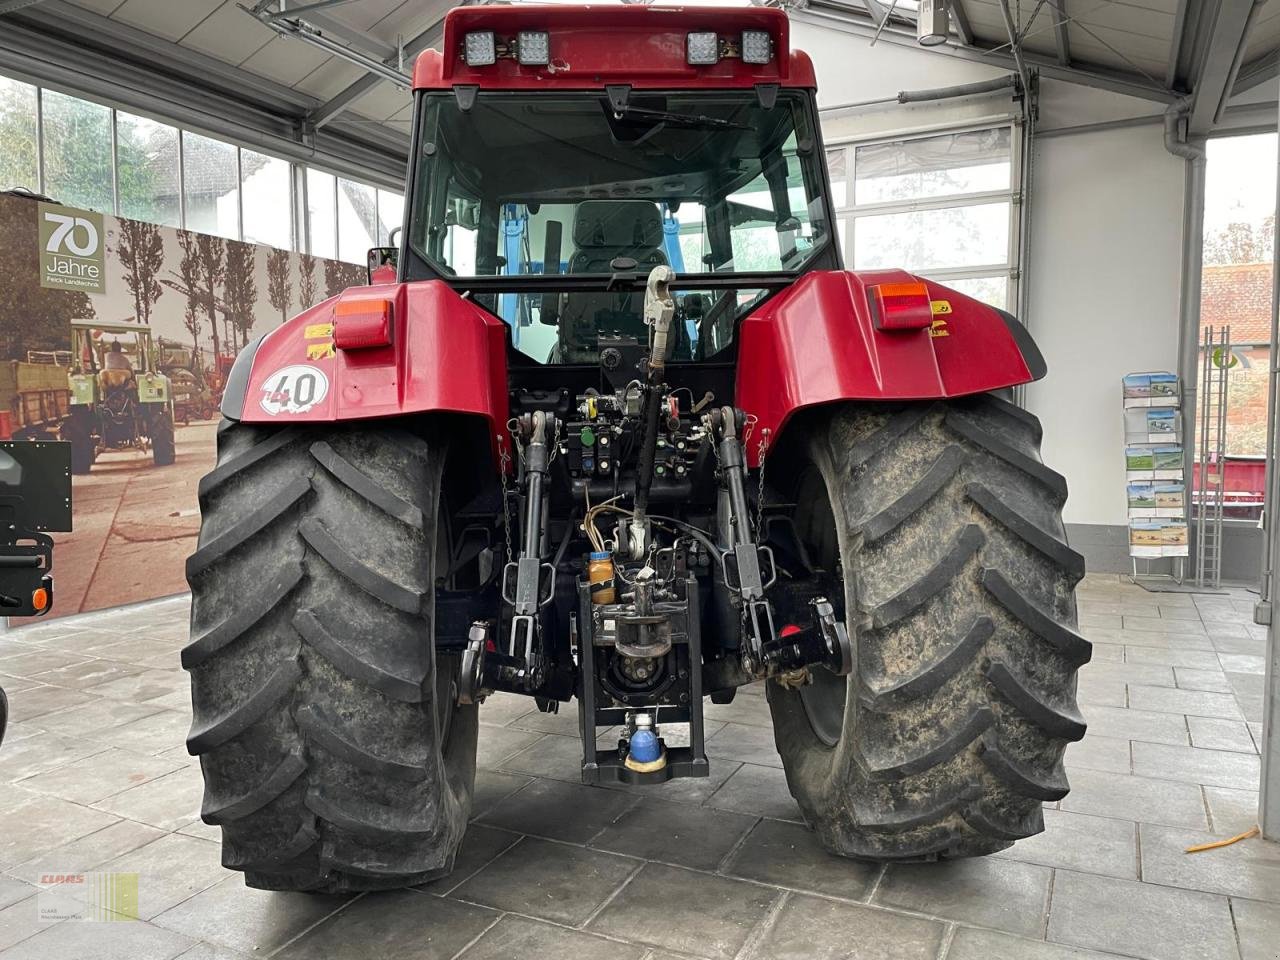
(1256, 72)
(961, 21)
(1186, 25)
(358, 88)
(1061, 27)
(73, 50)
(9, 6)
(991, 54)
(1220, 43)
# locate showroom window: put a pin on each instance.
(85, 154)
(941, 205)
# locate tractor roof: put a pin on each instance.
(110, 327)
(591, 46)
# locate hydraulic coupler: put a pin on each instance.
(523, 579)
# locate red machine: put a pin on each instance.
(624, 430)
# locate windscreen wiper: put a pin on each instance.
(690, 120)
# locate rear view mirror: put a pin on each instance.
(550, 310)
(382, 265)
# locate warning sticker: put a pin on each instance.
(294, 389)
(320, 351)
(317, 331)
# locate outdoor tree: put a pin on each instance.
(17, 135)
(338, 276)
(189, 284)
(140, 248)
(1241, 242)
(210, 252)
(31, 317)
(240, 290)
(279, 289)
(307, 272)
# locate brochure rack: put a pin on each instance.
(1156, 489)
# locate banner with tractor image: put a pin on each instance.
(118, 335)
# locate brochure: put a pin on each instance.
(1164, 389)
(1162, 424)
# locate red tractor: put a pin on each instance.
(625, 431)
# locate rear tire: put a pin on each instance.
(163, 447)
(76, 431)
(959, 590)
(334, 756)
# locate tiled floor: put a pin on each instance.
(94, 776)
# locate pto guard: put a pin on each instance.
(357, 357)
(873, 335)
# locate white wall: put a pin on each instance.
(1105, 245)
(1106, 256)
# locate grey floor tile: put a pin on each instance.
(1152, 674)
(1124, 797)
(1080, 842)
(20, 921)
(808, 928)
(46, 822)
(12, 890)
(1212, 681)
(790, 855)
(1104, 652)
(1101, 691)
(491, 787)
(137, 649)
(39, 701)
(86, 674)
(1140, 919)
(689, 836)
(1187, 702)
(752, 711)
(1245, 646)
(87, 852)
(1250, 868)
(549, 755)
(499, 709)
(1258, 927)
(31, 663)
(1098, 753)
(209, 951)
(1163, 625)
(167, 802)
(251, 921)
(1173, 657)
(1214, 768)
(552, 881)
(101, 941)
(990, 892)
(971, 943)
(750, 744)
(700, 914)
(1211, 734)
(147, 685)
(757, 790)
(694, 790)
(171, 870)
(532, 940)
(498, 743)
(1124, 724)
(480, 845)
(96, 718)
(1242, 663)
(152, 735)
(99, 776)
(1232, 811)
(41, 752)
(574, 812)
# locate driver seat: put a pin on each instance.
(604, 230)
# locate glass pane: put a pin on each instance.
(992, 290)
(18, 167)
(953, 237)
(321, 214)
(390, 215)
(77, 152)
(212, 192)
(268, 212)
(837, 167)
(954, 163)
(357, 216)
(147, 165)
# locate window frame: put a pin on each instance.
(848, 214)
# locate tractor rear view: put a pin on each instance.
(625, 432)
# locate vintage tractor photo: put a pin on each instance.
(119, 398)
(192, 399)
(623, 436)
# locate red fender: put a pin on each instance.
(356, 357)
(829, 337)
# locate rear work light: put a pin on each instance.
(702, 49)
(757, 46)
(362, 324)
(479, 49)
(533, 47)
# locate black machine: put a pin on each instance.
(35, 500)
